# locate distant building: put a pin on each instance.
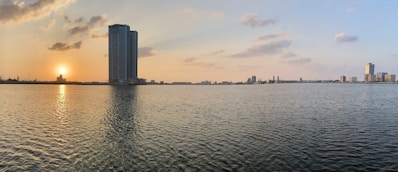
(369, 78)
(254, 79)
(342, 78)
(61, 79)
(205, 83)
(369, 73)
(390, 78)
(352, 79)
(123, 53)
(380, 76)
(370, 69)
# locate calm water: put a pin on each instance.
(281, 127)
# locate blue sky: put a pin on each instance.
(221, 40)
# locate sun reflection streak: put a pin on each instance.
(61, 102)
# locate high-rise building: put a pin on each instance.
(123, 53)
(370, 69)
(369, 73)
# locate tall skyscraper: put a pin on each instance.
(123, 53)
(370, 69)
(369, 73)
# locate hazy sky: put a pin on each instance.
(192, 40)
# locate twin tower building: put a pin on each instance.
(123, 54)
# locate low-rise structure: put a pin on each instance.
(390, 78)
(352, 79)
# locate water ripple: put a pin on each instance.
(292, 127)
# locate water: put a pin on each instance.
(281, 127)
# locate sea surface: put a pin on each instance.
(274, 127)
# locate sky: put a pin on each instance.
(192, 40)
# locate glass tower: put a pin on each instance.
(123, 52)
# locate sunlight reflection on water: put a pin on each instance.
(283, 127)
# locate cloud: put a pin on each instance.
(343, 38)
(79, 20)
(216, 52)
(263, 49)
(105, 35)
(303, 60)
(146, 51)
(189, 60)
(66, 18)
(270, 36)
(49, 25)
(15, 11)
(86, 27)
(100, 20)
(253, 21)
(78, 29)
(192, 61)
(60, 46)
(289, 55)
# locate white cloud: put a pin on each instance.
(16, 11)
(342, 38)
(264, 49)
(270, 36)
(253, 21)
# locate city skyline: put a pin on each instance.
(198, 41)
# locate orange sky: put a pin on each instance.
(197, 41)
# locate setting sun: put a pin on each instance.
(62, 70)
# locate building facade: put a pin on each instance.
(123, 53)
(380, 76)
(390, 78)
(369, 73)
(370, 69)
(342, 78)
(352, 79)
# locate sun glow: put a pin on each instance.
(62, 70)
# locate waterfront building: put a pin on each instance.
(369, 73)
(390, 78)
(254, 79)
(370, 69)
(342, 78)
(380, 76)
(369, 78)
(60, 79)
(123, 53)
(352, 79)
